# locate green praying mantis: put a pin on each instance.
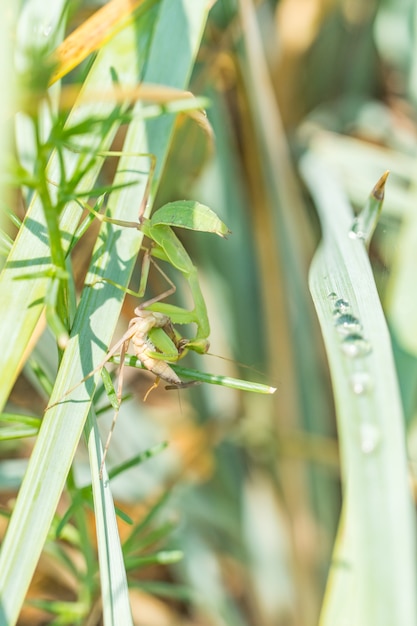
(156, 342)
(151, 331)
(156, 324)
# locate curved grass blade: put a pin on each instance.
(380, 519)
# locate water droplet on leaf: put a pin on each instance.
(347, 324)
(370, 438)
(342, 305)
(355, 345)
(47, 29)
(361, 383)
(357, 232)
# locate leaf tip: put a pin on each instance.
(379, 189)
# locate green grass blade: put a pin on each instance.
(165, 557)
(364, 224)
(21, 301)
(379, 513)
(114, 589)
(175, 39)
(22, 426)
(204, 377)
(137, 459)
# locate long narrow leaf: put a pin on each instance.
(115, 593)
(380, 522)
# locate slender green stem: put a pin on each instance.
(203, 377)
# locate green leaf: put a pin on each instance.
(28, 426)
(204, 377)
(138, 459)
(365, 223)
(380, 528)
(114, 588)
(109, 388)
(164, 557)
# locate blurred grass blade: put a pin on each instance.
(165, 557)
(379, 511)
(6, 243)
(132, 541)
(93, 34)
(341, 584)
(24, 426)
(138, 459)
(7, 102)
